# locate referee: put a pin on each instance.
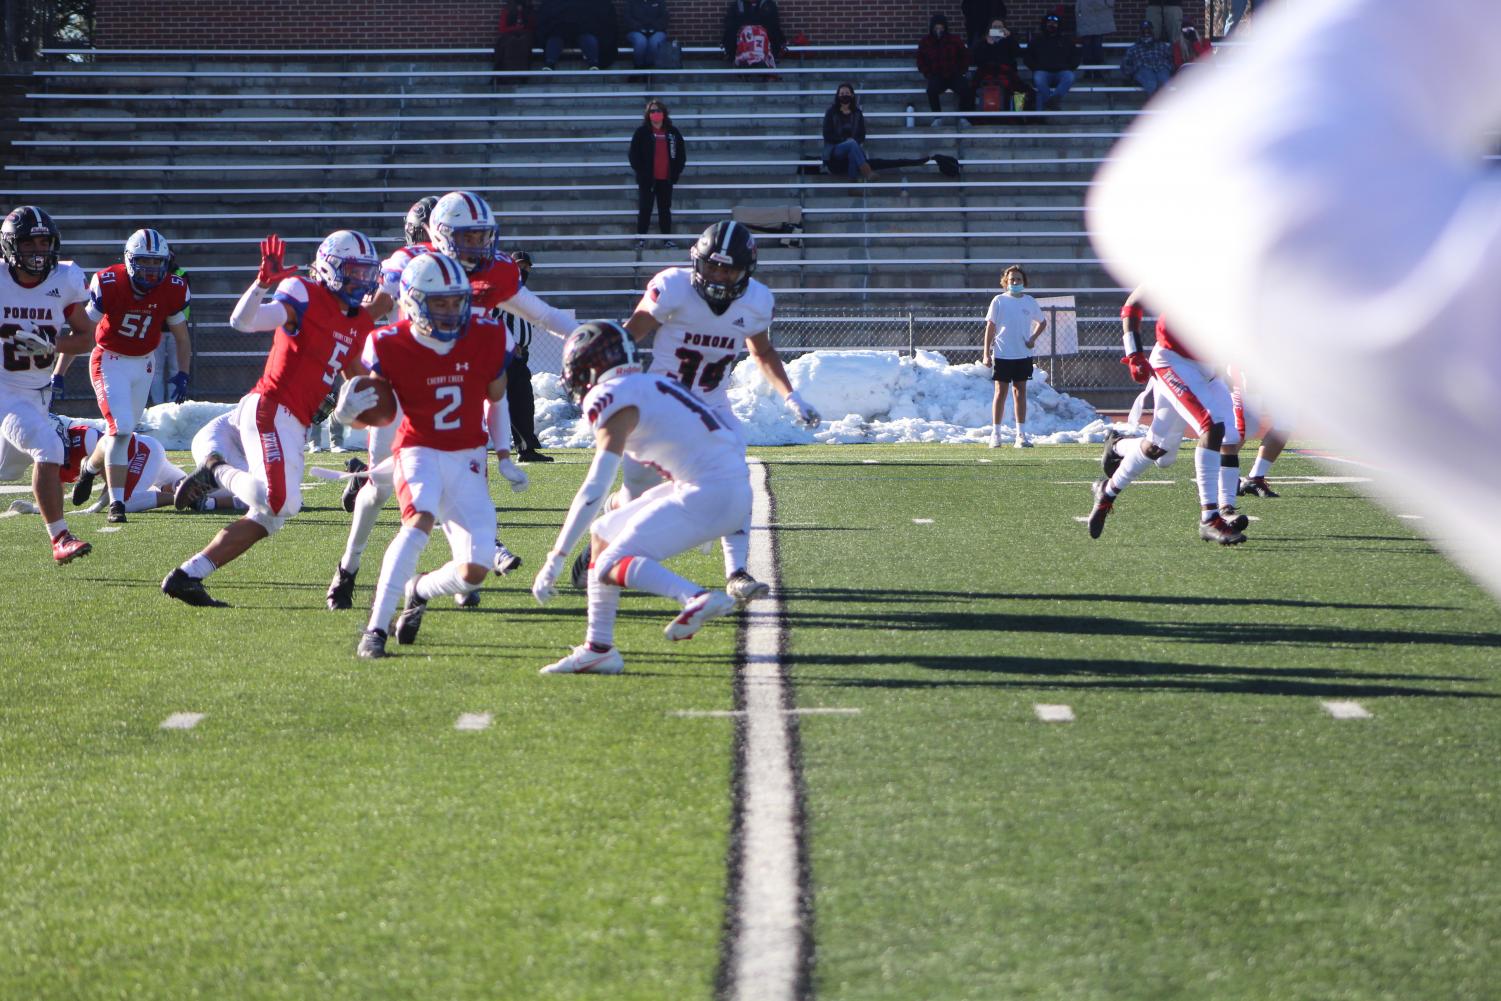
(519, 398)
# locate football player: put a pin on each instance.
(150, 480)
(41, 299)
(461, 226)
(320, 330)
(444, 363)
(1188, 393)
(131, 302)
(1272, 442)
(703, 316)
(706, 495)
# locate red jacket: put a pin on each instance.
(944, 57)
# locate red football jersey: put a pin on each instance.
(442, 396)
(81, 441)
(132, 324)
(494, 283)
(307, 356)
(1167, 340)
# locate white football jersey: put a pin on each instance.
(41, 310)
(695, 345)
(676, 432)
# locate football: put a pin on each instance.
(384, 411)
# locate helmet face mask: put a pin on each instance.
(435, 298)
(148, 260)
(29, 241)
(724, 258)
(597, 352)
(346, 265)
(463, 227)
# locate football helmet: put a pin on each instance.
(435, 297)
(730, 245)
(597, 352)
(346, 265)
(24, 223)
(416, 220)
(463, 227)
(148, 260)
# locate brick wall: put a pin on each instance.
(445, 23)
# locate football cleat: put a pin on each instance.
(1257, 486)
(505, 560)
(189, 590)
(743, 587)
(341, 589)
(578, 573)
(410, 619)
(699, 610)
(585, 661)
(1103, 505)
(116, 514)
(372, 645)
(353, 485)
(67, 547)
(995, 442)
(1022, 441)
(1236, 522)
(532, 455)
(1110, 460)
(467, 599)
(84, 488)
(1215, 530)
(193, 488)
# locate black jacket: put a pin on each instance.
(1052, 52)
(643, 152)
(740, 13)
(646, 16)
(837, 126)
(991, 58)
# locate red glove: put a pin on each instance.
(271, 272)
(1141, 369)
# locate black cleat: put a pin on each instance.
(1110, 461)
(1257, 486)
(532, 455)
(354, 484)
(467, 599)
(578, 573)
(116, 514)
(1103, 505)
(189, 590)
(84, 488)
(1235, 522)
(372, 645)
(341, 590)
(1215, 530)
(410, 619)
(193, 488)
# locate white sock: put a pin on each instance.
(1133, 461)
(651, 576)
(445, 580)
(56, 528)
(1229, 479)
(736, 550)
(604, 601)
(89, 466)
(1207, 475)
(367, 506)
(199, 566)
(117, 494)
(396, 569)
(1260, 467)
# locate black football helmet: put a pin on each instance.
(729, 244)
(416, 220)
(23, 223)
(594, 352)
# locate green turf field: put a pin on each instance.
(1203, 829)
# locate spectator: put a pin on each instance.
(1094, 19)
(1189, 48)
(1149, 62)
(996, 57)
(943, 61)
(520, 403)
(588, 24)
(513, 44)
(646, 30)
(1166, 19)
(753, 33)
(977, 17)
(844, 136)
(1012, 325)
(658, 155)
(1053, 58)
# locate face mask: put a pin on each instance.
(657, 118)
(995, 34)
(1015, 288)
(938, 31)
(846, 99)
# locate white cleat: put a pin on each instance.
(699, 610)
(20, 506)
(995, 441)
(585, 661)
(743, 587)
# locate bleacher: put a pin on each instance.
(218, 149)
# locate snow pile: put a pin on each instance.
(174, 424)
(863, 397)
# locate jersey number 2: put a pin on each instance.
(446, 419)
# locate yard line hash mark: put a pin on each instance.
(922, 521)
(1053, 713)
(473, 721)
(182, 721)
(1346, 710)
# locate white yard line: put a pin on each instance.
(473, 721)
(182, 721)
(741, 713)
(1053, 713)
(1346, 710)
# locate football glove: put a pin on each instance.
(546, 583)
(271, 272)
(179, 384)
(803, 411)
(1141, 369)
(514, 474)
(29, 342)
(353, 402)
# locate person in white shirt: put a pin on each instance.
(1012, 325)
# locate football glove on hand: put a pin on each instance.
(805, 414)
(1141, 369)
(272, 272)
(59, 388)
(546, 583)
(514, 474)
(353, 402)
(179, 383)
(29, 342)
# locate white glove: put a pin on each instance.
(546, 583)
(805, 414)
(514, 474)
(29, 342)
(353, 402)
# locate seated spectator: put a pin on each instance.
(753, 33)
(1148, 63)
(513, 43)
(996, 58)
(1093, 19)
(1053, 57)
(977, 17)
(844, 136)
(1189, 48)
(943, 61)
(646, 30)
(587, 24)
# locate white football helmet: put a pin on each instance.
(148, 259)
(463, 227)
(346, 264)
(435, 297)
